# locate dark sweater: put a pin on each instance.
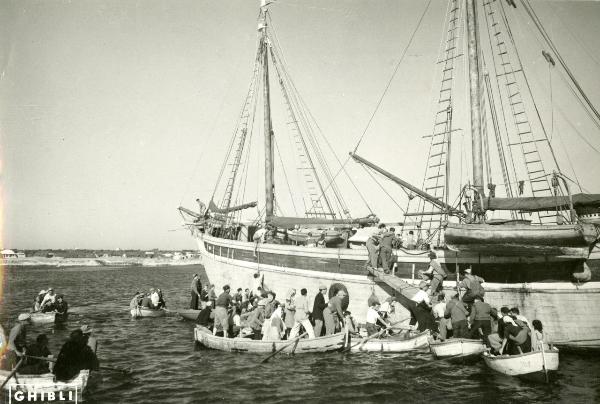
(318, 306)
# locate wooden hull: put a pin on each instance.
(459, 348)
(328, 343)
(302, 237)
(140, 312)
(46, 384)
(527, 364)
(525, 282)
(189, 314)
(390, 344)
(568, 240)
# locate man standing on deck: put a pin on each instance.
(385, 250)
(301, 316)
(196, 289)
(221, 317)
(317, 312)
(373, 249)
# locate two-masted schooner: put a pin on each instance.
(535, 258)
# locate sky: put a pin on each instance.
(114, 113)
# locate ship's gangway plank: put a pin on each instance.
(399, 286)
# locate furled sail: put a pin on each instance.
(213, 208)
(288, 222)
(546, 203)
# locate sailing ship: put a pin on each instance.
(535, 258)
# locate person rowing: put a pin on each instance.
(75, 356)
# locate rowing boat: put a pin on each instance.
(145, 312)
(46, 383)
(531, 364)
(41, 318)
(458, 348)
(189, 314)
(392, 344)
(333, 342)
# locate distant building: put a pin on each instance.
(149, 254)
(11, 254)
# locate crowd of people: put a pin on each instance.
(257, 313)
(153, 299)
(467, 315)
(76, 354)
(47, 301)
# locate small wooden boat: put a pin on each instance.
(392, 344)
(458, 348)
(46, 383)
(145, 312)
(189, 314)
(535, 364)
(327, 343)
(41, 318)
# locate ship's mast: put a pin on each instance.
(474, 86)
(269, 155)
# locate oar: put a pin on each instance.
(379, 333)
(12, 373)
(544, 360)
(440, 360)
(126, 371)
(265, 360)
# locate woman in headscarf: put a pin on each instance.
(290, 311)
(273, 327)
(539, 337)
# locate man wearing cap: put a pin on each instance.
(435, 272)
(421, 311)
(196, 288)
(317, 311)
(456, 310)
(385, 251)
(472, 283)
(373, 249)
(48, 302)
(87, 337)
(222, 304)
(255, 319)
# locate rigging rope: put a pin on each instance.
(529, 9)
(382, 188)
(393, 75)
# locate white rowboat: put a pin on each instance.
(392, 344)
(460, 348)
(527, 364)
(46, 383)
(143, 312)
(327, 343)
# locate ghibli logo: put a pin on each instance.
(25, 393)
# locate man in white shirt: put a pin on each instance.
(48, 302)
(438, 310)
(372, 318)
(421, 295)
(154, 298)
(301, 316)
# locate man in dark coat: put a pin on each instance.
(39, 349)
(196, 288)
(205, 317)
(317, 311)
(62, 308)
(75, 355)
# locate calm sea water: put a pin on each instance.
(167, 368)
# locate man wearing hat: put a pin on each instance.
(435, 272)
(256, 319)
(472, 283)
(87, 336)
(317, 311)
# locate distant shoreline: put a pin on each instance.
(59, 262)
